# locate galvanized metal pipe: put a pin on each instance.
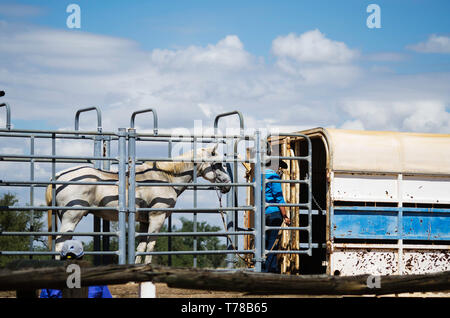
(155, 118)
(99, 117)
(198, 210)
(190, 160)
(191, 185)
(5, 157)
(54, 217)
(56, 132)
(34, 233)
(307, 181)
(210, 252)
(54, 207)
(36, 135)
(200, 234)
(31, 189)
(194, 216)
(259, 209)
(131, 193)
(230, 219)
(8, 115)
(235, 112)
(53, 253)
(20, 183)
(122, 194)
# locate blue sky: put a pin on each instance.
(268, 59)
(173, 24)
(287, 65)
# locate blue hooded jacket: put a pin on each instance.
(273, 191)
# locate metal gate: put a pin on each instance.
(100, 159)
(124, 143)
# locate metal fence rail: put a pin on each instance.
(305, 248)
(100, 159)
(230, 209)
(126, 161)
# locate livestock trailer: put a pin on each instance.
(380, 202)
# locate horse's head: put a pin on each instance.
(213, 170)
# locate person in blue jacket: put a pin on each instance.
(274, 215)
(73, 249)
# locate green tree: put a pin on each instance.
(16, 221)
(204, 243)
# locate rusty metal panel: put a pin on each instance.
(348, 262)
(426, 261)
(386, 261)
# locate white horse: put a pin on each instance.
(146, 196)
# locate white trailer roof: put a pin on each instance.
(385, 151)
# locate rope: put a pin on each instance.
(219, 196)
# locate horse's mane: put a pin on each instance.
(172, 168)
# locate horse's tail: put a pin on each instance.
(48, 200)
(48, 195)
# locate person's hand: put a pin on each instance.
(287, 220)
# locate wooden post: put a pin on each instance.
(81, 292)
(24, 291)
(240, 281)
(249, 215)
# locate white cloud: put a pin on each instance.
(61, 50)
(353, 124)
(434, 44)
(314, 81)
(405, 115)
(315, 59)
(228, 52)
(312, 47)
(428, 116)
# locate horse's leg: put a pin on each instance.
(143, 228)
(69, 221)
(156, 221)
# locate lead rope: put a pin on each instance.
(219, 196)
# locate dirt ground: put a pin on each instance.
(131, 290)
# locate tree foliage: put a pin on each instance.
(182, 243)
(16, 221)
(186, 243)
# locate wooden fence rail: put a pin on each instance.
(239, 281)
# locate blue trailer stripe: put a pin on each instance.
(390, 223)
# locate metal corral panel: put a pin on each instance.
(398, 152)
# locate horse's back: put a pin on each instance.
(83, 193)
